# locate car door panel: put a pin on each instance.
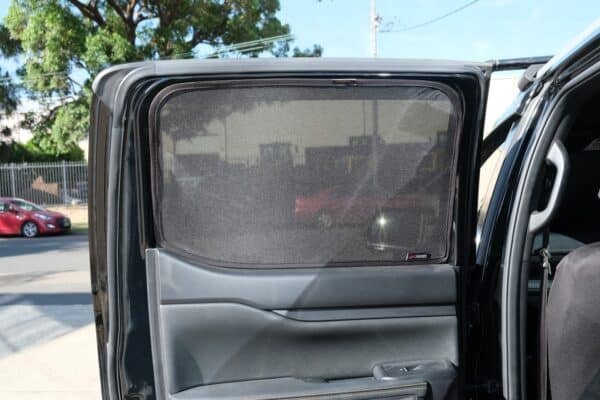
(222, 330)
(296, 389)
(232, 329)
(5, 225)
(180, 281)
(226, 327)
(9, 219)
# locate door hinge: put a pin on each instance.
(536, 89)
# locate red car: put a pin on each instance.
(337, 205)
(20, 217)
(341, 205)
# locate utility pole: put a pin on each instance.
(375, 20)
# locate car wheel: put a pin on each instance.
(324, 220)
(29, 229)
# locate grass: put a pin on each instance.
(80, 228)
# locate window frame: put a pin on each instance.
(456, 124)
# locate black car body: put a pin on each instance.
(208, 290)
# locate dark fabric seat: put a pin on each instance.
(578, 215)
(573, 326)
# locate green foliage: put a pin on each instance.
(56, 133)
(283, 50)
(8, 46)
(53, 39)
(104, 48)
(71, 117)
(37, 153)
(8, 92)
(316, 51)
(60, 37)
(11, 151)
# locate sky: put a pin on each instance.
(487, 29)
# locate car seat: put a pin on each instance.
(573, 326)
(578, 215)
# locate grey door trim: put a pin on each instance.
(305, 288)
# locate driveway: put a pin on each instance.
(47, 338)
(52, 264)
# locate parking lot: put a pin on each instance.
(47, 339)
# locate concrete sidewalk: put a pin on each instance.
(72, 281)
(47, 335)
(64, 368)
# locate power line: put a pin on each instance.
(242, 47)
(375, 21)
(33, 76)
(431, 21)
(253, 45)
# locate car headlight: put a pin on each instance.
(42, 216)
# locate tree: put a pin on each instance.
(8, 92)
(66, 38)
(9, 150)
(8, 99)
(284, 49)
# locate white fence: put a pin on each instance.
(51, 183)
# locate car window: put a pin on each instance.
(488, 173)
(27, 206)
(502, 92)
(293, 174)
(3, 206)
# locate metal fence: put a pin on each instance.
(55, 183)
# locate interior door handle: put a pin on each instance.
(557, 156)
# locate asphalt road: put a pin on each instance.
(47, 254)
(44, 290)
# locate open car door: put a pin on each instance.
(283, 229)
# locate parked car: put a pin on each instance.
(348, 205)
(338, 205)
(265, 311)
(21, 217)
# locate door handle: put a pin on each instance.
(557, 156)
